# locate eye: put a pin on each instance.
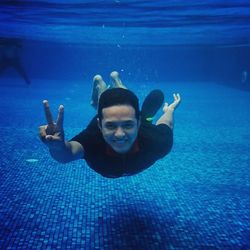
(128, 125)
(110, 126)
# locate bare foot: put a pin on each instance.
(99, 86)
(116, 81)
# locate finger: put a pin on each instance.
(178, 97)
(48, 114)
(60, 118)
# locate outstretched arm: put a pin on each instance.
(168, 116)
(52, 135)
(70, 151)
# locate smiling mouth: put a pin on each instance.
(120, 141)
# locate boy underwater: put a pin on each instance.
(120, 140)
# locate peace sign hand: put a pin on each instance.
(52, 134)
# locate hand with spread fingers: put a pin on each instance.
(52, 134)
(168, 111)
(174, 104)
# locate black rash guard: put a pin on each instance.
(153, 142)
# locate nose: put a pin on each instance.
(119, 133)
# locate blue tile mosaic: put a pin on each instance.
(198, 197)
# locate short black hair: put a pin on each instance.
(118, 96)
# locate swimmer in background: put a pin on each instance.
(9, 57)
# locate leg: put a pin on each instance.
(152, 102)
(99, 86)
(151, 105)
(116, 81)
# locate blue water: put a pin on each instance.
(197, 197)
(128, 22)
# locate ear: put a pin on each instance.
(99, 123)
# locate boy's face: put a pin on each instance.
(119, 127)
